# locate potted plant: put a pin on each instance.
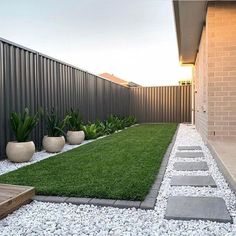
(54, 141)
(22, 150)
(75, 135)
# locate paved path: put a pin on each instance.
(40, 218)
(195, 208)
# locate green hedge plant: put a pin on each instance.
(109, 126)
(128, 121)
(101, 128)
(90, 131)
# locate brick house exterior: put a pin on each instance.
(211, 32)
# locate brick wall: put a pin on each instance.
(200, 84)
(215, 74)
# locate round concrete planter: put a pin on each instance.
(20, 151)
(75, 137)
(53, 144)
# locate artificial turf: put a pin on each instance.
(120, 166)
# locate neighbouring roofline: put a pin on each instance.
(117, 80)
(190, 17)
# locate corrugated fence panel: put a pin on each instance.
(107, 97)
(161, 104)
(100, 99)
(17, 77)
(31, 79)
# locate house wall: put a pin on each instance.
(200, 83)
(221, 24)
(215, 74)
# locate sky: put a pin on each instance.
(132, 39)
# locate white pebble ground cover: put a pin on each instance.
(7, 166)
(40, 218)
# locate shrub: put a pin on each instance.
(113, 123)
(130, 120)
(55, 125)
(109, 126)
(75, 120)
(90, 131)
(22, 125)
(101, 128)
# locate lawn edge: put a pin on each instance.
(55, 154)
(148, 203)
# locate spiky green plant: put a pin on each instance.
(101, 128)
(113, 123)
(55, 125)
(128, 121)
(75, 120)
(23, 124)
(90, 131)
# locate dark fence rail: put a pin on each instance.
(161, 104)
(31, 79)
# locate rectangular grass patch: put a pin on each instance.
(121, 166)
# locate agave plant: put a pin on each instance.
(55, 125)
(75, 120)
(23, 124)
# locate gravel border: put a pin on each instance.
(41, 218)
(8, 166)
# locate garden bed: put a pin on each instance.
(120, 166)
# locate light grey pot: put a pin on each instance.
(53, 144)
(75, 137)
(20, 151)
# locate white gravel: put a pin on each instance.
(7, 166)
(40, 218)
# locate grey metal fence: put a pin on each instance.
(31, 79)
(161, 104)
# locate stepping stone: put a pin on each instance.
(196, 181)
(182, 148)
(197, 208)
(191, 166)
(189, 154)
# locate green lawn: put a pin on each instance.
(120, 166)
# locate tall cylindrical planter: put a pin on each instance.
(53, 144)
(20, 151)
(75, 137)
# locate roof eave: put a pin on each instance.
(190, 17)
